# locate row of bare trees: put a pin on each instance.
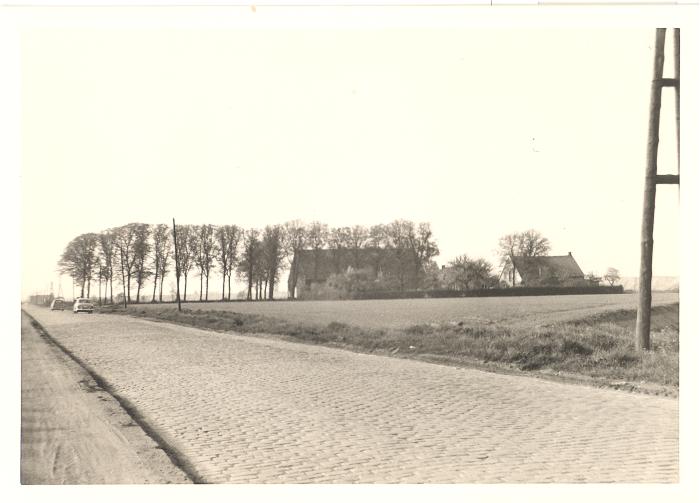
(137, 253)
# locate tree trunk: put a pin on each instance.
(184, 294)
(124, 286)
(294, 276)
(201, 282)
(271, 295)
(223, 286)
(250, 282)
(206, 284)
(160, 293)
(155, 283)
(229, 286)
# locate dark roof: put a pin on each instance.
(534, 268)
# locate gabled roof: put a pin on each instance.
(535, 268)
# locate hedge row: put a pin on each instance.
(491, 292)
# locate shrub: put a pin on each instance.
(572, 347)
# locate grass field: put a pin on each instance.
(402, 313)
(588, 337)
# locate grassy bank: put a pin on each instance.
(598, 348)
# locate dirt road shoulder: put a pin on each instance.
(73, 431)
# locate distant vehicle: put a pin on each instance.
(58, 304)
(83, 305)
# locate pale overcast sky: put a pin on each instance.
(480, 132)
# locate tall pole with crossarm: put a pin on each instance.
(651, 179)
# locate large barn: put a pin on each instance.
(560, 270)
(316, 266)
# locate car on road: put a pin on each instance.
(83, 305)
(58, 304)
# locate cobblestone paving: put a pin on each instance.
(254, 410)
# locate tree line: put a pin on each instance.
(136, 253)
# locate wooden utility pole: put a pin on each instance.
(677, 60)
(177, 267)
(643, 340)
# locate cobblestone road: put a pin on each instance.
(254, 410)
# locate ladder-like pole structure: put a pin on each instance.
(643, 327)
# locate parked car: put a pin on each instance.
(58, 304)
(83, 305)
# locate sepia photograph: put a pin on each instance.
(353, 245)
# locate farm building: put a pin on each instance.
(311, 267)
(561, 270)
(41, 300)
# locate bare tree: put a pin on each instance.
(78, 260)
(471, 274)
(125, 236)
(198, 258)
(377, 239)
(168, 252)
(178, 272)
(221, 239)
(422, 245)
(529, 243)
(397, 233)
(260, 273)
(100, 276)
(249, 259)
(161, 246)
(357, 239)
(273, 256)
(142, 250)
(227, 238)
(186, 241)
(612, 276)
(106, 251)
(295, 241)
(204, 255)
